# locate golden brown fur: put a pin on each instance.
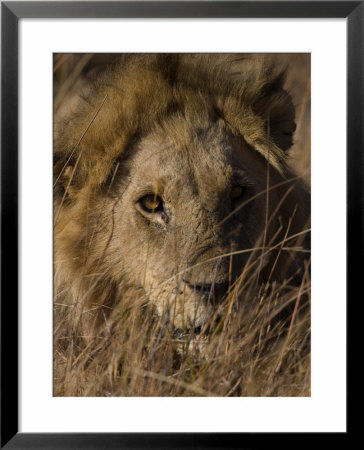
(191, 130)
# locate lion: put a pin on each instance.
(171, 180)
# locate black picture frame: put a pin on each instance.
(11, 12)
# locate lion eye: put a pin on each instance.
(236, 192)
(151, 203)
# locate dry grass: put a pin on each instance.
(258, 342)
(248, 353)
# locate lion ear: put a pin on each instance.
(279, 116)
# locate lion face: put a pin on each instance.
(180, 218)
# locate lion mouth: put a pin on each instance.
(187, 334)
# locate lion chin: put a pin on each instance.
(184, 310)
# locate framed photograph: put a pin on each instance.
(181, 215)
